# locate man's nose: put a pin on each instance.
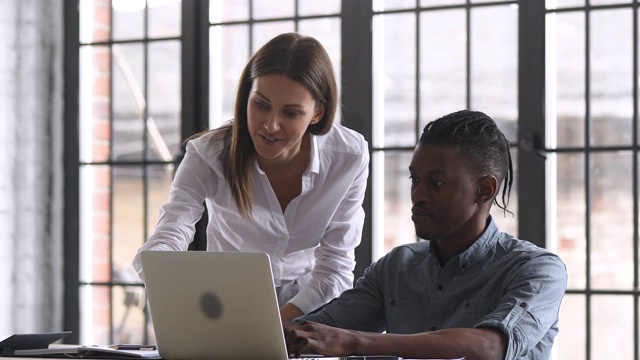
(418, 193)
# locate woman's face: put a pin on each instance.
(279, 112)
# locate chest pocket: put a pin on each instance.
(474, 309)
(401, 315)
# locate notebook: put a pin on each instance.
(216, 305)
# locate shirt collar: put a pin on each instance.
(315, 157)
(314, 166)
(477, 251)
(481, 247)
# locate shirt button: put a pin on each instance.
(393, 302)
(434, 328)
(440, 287)
(523, 304)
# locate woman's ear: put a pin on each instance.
(487, 189)
(318, 113)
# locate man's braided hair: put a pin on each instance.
(480, 142)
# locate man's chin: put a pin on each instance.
(423, 234)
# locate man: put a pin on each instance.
(468, 290)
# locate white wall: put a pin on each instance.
(31, 55)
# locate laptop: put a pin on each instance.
(215, 305)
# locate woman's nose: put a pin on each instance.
(271, 123)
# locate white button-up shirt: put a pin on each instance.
(317, 232)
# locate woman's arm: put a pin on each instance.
(176, 223)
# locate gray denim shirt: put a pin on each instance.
(499, 282)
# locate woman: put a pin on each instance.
(280, 178)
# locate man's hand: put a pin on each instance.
(313, 338)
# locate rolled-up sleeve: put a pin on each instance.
(528, 311)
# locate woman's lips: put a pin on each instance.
(268, 139)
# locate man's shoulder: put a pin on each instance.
(511, 247)
(406, 252)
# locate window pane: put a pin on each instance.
(128, 101)
(95, 315)
(382, 5)
(608, 2)
(95, 223)
(224, 10)
(327, 32)
(128, 19)
(163, 123)
(394, 80)
(95, 103)
(164, 18)
(314, 7)
(443, 64)
(265, 9)
(508, 222)
(128, 321)
(565, 53)
(611, 76)
(431, 3)
(611, 323)
(392, 201)
(611, 221)
(571, 340)
(128, 231)
(95, 20)
(228, 55)
(159, 182)
(557, 4)
(263, 32)
(494, 62)
(569, 216)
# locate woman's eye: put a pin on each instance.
(292, 114)
(414, 179)
(261, 105)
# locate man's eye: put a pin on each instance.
(436, 183)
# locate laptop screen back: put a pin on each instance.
(213, 305)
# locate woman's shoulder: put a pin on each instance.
(209, 146)
(340, 138)
(213, 140)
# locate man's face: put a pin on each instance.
(443, 194)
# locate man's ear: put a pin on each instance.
(487, 189)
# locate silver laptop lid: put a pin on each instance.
(213, 305)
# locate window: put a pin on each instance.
(557, 76)
(129, 134)
(592, 139)
(429, 61)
